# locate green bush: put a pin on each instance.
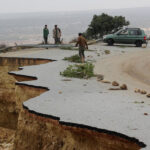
(74, 58)
(104, 24)
(79, 71)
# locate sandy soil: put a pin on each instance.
(132, 68)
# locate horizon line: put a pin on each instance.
(65, 11)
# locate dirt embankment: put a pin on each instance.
(38, 133)
(21, 130)
(12, 96)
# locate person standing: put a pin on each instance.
(81, 42)
(56, 34)
(45, 34)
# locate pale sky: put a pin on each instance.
(7, 6)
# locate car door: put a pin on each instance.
(134, 35)
(122, 36)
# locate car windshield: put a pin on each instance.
(122, 32)
(118, 31)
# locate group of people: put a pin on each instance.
(56, 34)
(81, 41)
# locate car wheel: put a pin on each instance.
(110, 42)
(138, 43)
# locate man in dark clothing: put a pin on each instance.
(45, 34)
(56, 34)
(82, 46)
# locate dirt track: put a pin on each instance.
(132, 68)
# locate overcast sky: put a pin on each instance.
(7, 6)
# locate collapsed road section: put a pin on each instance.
(34, 130)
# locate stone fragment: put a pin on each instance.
(115, 83)
(107, 52)
(60, 92)
(124, 87)
(105, 81)
(148, 95)
(144, 46)
(137, 91)
(100, 77)
(114, 89)
(146, 114)
(143, 92)
(66, 80)
(136, 102)
(90, 56)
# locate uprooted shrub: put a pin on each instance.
(79, 71)
(74, 58)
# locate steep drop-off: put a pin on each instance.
(23, 130)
